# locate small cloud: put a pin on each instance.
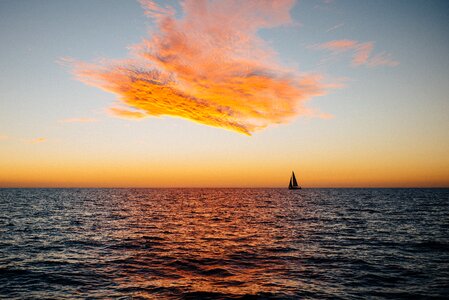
(78, 120)
(126, 113)
(338, 45)
(156, 11)
(335, 27)
(382, 59)
(37, 140)
(3, 137)
(65, 61)
(326, 116)
(314, 113)
(362, 53)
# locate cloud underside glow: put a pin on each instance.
(209, 67)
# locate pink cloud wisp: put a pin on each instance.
(362, 53)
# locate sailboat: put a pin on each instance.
(293, 185)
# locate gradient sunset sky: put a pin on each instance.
(224, 93)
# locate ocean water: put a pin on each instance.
(224, 243)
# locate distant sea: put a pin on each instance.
(224, 243)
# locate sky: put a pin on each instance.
(224, 93)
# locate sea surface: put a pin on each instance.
(224, 243)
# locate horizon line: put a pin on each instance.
(223, 187)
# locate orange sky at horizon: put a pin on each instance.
(82, 178)
(218, 170)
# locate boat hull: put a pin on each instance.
(294, 188)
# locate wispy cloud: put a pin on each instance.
(126, 113)
(78, 120)
(37, 140)
(208, 66)
(3, 137)
(338, 45)
(335, 27)
(362, 53)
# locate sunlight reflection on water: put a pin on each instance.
(224, 243)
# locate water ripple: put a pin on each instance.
(224, 243)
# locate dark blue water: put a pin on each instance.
(224, 243)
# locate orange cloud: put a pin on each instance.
(3, 137)
(78, 120)
(208, 66)
(126, 114)
(361, 53)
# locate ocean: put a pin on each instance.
(224, 243)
